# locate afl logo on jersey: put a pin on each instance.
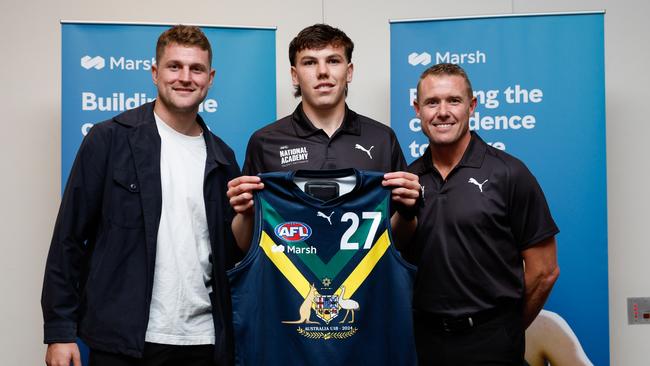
(293, 231)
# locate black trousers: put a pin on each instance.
(157, 355)
(497, 341)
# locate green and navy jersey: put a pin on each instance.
(322, 283)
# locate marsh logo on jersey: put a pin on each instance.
(294, 155)
(293, 231)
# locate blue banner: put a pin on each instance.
(106, 69)
(539, 81)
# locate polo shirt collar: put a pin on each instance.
(475, 152)
(304, 127)
(472, 157)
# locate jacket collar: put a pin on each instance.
(143, 116)
(304, 127)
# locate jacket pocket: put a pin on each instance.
(126, 206)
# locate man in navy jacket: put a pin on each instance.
(116, 231)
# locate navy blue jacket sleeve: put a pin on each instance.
(74, 232)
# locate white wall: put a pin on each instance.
(30, 144)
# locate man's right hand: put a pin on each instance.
(60, 354)
(240, 193)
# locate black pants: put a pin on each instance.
(497, 341)
(158, 355)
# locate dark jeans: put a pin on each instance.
(496, 341)
(158, 355)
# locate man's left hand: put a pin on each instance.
(405, 188)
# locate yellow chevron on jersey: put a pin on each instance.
(352, 283)
(367, 264)
(284, 264)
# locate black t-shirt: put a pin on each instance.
(293, 143)
(472, 229)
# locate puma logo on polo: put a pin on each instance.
(475, 182)
(367, 151)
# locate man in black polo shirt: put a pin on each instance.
(323, 133)
(485, 244)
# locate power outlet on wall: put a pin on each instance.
(638, 310)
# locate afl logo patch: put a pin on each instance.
(293, 231)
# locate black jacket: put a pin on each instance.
(99, 272)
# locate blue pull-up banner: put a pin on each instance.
(539, 81)
(106, 69)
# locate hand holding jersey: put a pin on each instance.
(404, 195)
(240, 194)
(406, 188)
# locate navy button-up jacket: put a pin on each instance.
(99, 272)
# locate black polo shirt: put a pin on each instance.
(472, 229)
(293, 143)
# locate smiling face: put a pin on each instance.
(322, 75)
(444, 107)
(182, 76)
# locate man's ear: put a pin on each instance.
(154, 73)
(294, 76)
(472, 105)
(350, 72)
(213, 72)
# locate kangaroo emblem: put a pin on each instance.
(328, 218)
(348, 304)
(367, 151)
(305, 309)
(475, 182)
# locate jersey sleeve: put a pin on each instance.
(530, 216)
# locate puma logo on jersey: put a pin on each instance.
(367, 151)
(475, 182)
(328, 218)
